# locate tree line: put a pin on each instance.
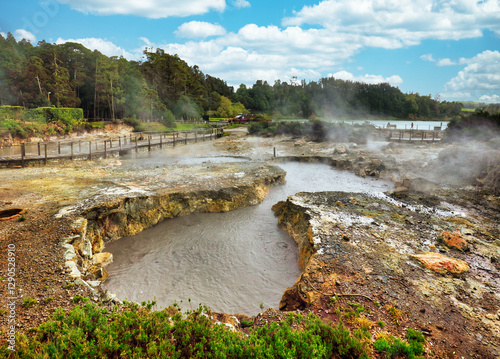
(163, 86)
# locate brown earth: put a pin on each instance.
(356, 251)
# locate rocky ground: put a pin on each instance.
(367, 261)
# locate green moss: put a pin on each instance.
(29, 302)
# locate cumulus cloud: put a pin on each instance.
(490, 99)
(103, 46)
(241, 3)
(394, 80)
(395, 24)
(428, 57)
(446, 62)
(20, 34)
(267, 53)
(439, 62)
(482, 74)
(154, 9)
(199, 30)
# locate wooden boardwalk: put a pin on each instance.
(411, 135)
(43, 152)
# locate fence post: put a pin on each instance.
(161, 141)
(23, 153)
(71, 151)
(120, 143)
(38, 148)
(45, 151)
(173, 137)
(80, 146)
(105, 149)
(59, 148)
(149, 143)
(90, 150)
(110, 142)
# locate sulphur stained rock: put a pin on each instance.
(454, 240)
(442, 264)
(102, 259)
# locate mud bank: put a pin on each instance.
(366, 249)
(127, 212)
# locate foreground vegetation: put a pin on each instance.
(92, 331)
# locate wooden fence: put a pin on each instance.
(42, 152)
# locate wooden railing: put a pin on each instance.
(412, 135)
(42, 152)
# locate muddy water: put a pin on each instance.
(231, 262)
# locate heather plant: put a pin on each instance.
(135, 331)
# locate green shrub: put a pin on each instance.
(92, 331)
(23, 123)
(393, 347)
(168, 119)
(133, 121)
(34, 115)
(12, 112)
(151, 127)
(14, 127)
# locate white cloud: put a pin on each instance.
(20, 34)
(427, 57)
(479, 78)
(267, 53)
(394, 80)
(490, 99)
(440, 62)
(4, 35)
(395, 24)
(103, 46)
(154, 9)
(241, 3)
(446, 62)
(199, 30)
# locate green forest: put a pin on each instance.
(163, 86)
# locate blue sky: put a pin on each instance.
(445, 48)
